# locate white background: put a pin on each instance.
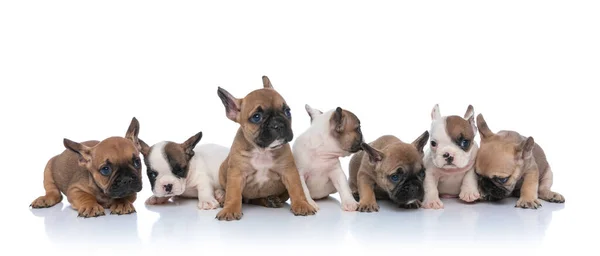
(81, 70)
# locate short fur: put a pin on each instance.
(185, 170)
(450, 158)
(508, 154)
(331, 135)
(260, 167)
(371, 171)
(76, 173)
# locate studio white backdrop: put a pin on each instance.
(82, 69)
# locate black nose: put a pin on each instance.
(446, 155)
(450, 159)
(168, 188)
(276, 125)
(413, 190)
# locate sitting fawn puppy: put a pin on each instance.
(331, 135)
(185, 170)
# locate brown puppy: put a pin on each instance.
(95, 175)
(388, 168)
(509, 164)
(260, 168)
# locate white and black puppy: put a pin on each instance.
(182, 169)
(331, 135)
(450, 158)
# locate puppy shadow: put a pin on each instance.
(64, 228)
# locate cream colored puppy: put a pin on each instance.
(331, 135)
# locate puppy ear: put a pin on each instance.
(144, 148)
(312, 112)
(420, 142)
(190, 144)
(267, 82)
(484, 130)
(470, 116)
(133, 131)
(374, 154)
(338, 120)
(232, 104)
(525, 148)
(435, 112)
(84, 152)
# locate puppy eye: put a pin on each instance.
(465, 144)
(288, 113)
(422, 173)
(137, 164)
(433, 144)
(502, 180)
(256, 118)
(106, 170)
(152, 174)
(394, 178)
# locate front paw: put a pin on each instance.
(350, 206)
(122, 207)
(208, 204)
(554, 197)
(303, 208)
(229, 214)
(433, 203)
(313, 204)
(45, 201)
(90, 210)
(368, 207)
(154, 200)
(220, 196)
(528, 203)
(469, 195)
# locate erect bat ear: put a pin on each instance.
(374, 154)
(338, 119)
(267, 82)
(232, 104)
(435, 112)
(312, 112)
(145, 149)
(190, 144)
(470, 116)
(484, 129)
(133, 131)
(83, 152)
(421, 141)
(525, 148)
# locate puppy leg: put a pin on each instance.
(154, 200)
(85, 203)
(307, 193)
(432, 196)
(544, 191)
(338, 178)
(53, 195)
(291, 181)
(529, 189)
(367, 201)
(123, 205)
(206, 195)
(234, 185)
(469, 192)
(220, 196)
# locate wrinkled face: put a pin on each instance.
(401, 174)
(167, 166)
(452, 142)
(266, 119)
(116, 167)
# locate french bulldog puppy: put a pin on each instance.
(185, 170)
(331, 135)
(260, 167)
(95, 175)
(388, 168)
(450, 158)
(510, 164)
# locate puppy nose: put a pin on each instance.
(450, 159)
(276, 125)
(413, 190)
(446, 155)
(168, 188)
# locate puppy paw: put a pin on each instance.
(46, 201)
(90, 210)
(229, 214)
(303, 208)
(469, 195)
(122, 207)
(414, 205)
(434, 203)
(368, 207)
(220, 196)
(528, 203)
(350, 206)
(356, 196)
(313, 204)
(153, 200)
(552, 197)
(208, 204)
(273, 202)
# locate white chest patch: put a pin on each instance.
(262, 162)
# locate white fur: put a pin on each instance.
(202, 181)
(457, 179)
(262, 162)
(317, 158)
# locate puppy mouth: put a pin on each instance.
(277, 144)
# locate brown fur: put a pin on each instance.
(509, 154)
(370, 168)
(346, 130)
(237, 175)
(75, 173)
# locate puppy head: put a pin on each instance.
(341, 124)
(501, 160)
(452, 140)
(114, 163)
(167, 165)
(399, 169)
(263, 115)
